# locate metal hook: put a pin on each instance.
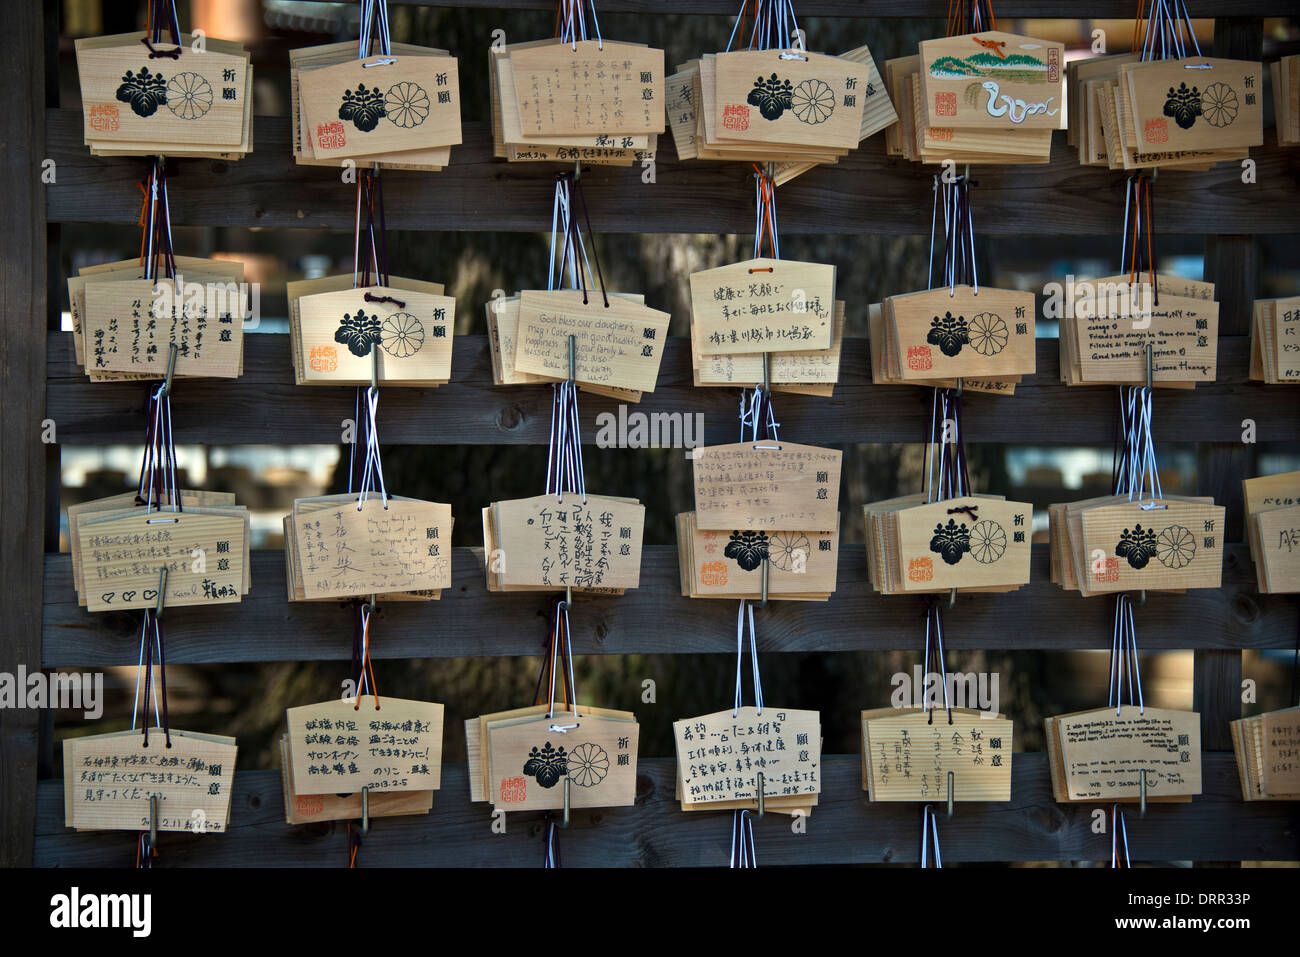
(952, 777)
(577, 170)
(564, 822)
(573, 361)
(374, 369)
(766, 374)
(166, 388)
(1148, 367)
(959, 385)
(1141, 599)
(762, 809)
(952, 598)
(365, 810)
(162, 591)
(1142, 796)
(153, 822)
(764, 577)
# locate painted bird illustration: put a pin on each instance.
(993, 46)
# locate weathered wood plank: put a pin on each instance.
(22, 370)
(845, 828)
(265, 405)
(655, 619)
(864, 193)
(1006, 9)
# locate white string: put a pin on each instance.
(928, 817)
(742, 835)
(753, 656)
(373, 467)
(1118, 826)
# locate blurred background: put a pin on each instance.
(248, 700)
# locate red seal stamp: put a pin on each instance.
(309, 805)
(329, 136)
(919, 358)
(920, 569)
(713, 573)
(513, 790)
(1107, 571)
(735, 116)
(945, 104)
(324, 359)
(1157, 130)
(104, 117)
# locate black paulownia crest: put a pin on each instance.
(548, 765)
(1138, 545)
(359, 332)
(364, 107)
(747, 548)
(771, 96)
(949, 333)
(144, 91)
(950, 541)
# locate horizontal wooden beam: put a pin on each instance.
(656, 619)
(844, 828)
(864, 193)
(265, 406)
(885, 9)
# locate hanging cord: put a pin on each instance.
(354, 844)
(745, 606)
(775, 27)
(970, 16)
(374, 30)
(370, 252)
(1125, 673)
(946, 473)
(1118, 838)
(935, 658)
(930, 833)
(363, 667)
(559, 658)
(756, 410)
(742, 840)
(571, 23)
(1139, 224)
(161, 11)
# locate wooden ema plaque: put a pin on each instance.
(529, 759)
(132, 101)
(619, 344)
(763, 305)
(375, 549)
(1277, 532)
(728, 564)
(383, 104)
(108, 780)
(766, 485)
(306, 808)
(205, 553)
(993, 80)
(1172, 546)
(964, 543)
(593, 87)
(908, 754)
(963, 332)
(386, 744)
(1103, 753)
(543, 542)
(1280, 766)
(1200, 103)
(130, 326)
(411, 330)
(720, 755)
(789, 97)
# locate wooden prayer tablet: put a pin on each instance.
(617, 341)
(1273, 530)
(1168, 544)
(908, 753)
(1099, 756)
(720, 756)
(1195, 103)
(883, 362)
(130, 326)
(590, 86)
(381, 105)
(308, 808)
(109, 779)
(530, 758)
(960, 332)
(767, 485)
(412, 330)
(198, 103)
(763, 305)
(1285, 74)
(205, 552)
(716, 564)
(1267, 747)
(1275, 341)
(994, 80)
(385, 744)
(813, 367)
(544, 542)
(380, 548)
(964, 543)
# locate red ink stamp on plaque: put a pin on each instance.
(945, 104)
(513, 790)
(104, 117)
(735, 116)
(310, 804)
(324, 359)
(713, 574)
(329, 136)
(919, 358)
(920, 569)
(1157, 130)
(1109, 572)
